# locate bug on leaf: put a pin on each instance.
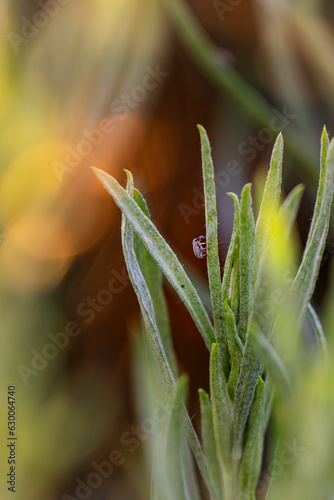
(199, 247)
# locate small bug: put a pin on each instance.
(199, 247)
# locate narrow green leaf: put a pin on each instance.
(143, 294)
(147, 310)
(324, 144)
(189, 474)
(271, 193)
(269, 402)
(250, 466)
(153, 278)
(290, 206)
(275, 461)
(234, 294)
(231, 248)
(235, 347)
(246, 259)
(162, 253)
(198, 452)
(249, 371)
(317, 327)
(209, 443)
(155, 493)
(222, 412)
(251, 367)
(212, 247)
(139, 199)
(175, 440)
(307, 274)
(271, 361)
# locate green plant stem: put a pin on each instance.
(228, 81)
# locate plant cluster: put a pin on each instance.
(260, 306)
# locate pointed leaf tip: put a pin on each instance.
(204, 138)
(100, 174)
(96, 170)
(129, 176)
(279, 143)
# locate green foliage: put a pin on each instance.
(209, 442)
(307, 274)
(250, 465)
(246, 260)
(256, 347)
(211, 223)
(271, 193)
(222, 415)
(162, 253)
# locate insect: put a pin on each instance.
(199, 247)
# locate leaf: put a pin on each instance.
(175, 440)
(222, 412)
(198, 453)
(155, 493)
(209, 443)
(271, 362)
(162, 253)
(269, 402)
(212, 247)
(147, 310)
(250, 466)
(274, 463)
(153, 278)
(323, 158)
(235, 283)
(246, 260)
(261, 317)
(143, 294)
(290, 206)
(251, 368)
(271, 194)
(249, 371)
(231, 248)
(317, 327)
(307, 274)
(189, 475)
(235, 347)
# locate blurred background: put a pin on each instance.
(119, 85)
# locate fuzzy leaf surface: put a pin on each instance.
(162, 253)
